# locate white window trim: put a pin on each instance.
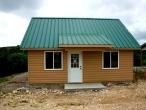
(110, 60)
(53, 60)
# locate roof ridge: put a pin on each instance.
(74, 18)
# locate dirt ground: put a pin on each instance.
(114, 97)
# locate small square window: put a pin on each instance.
(110, 59)
(53, 60)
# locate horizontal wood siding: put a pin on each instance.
(93, 72)
(36, 71)
(92, 68)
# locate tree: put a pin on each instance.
(12, 60)
(137, 58)
(17, 62)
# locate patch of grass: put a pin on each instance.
(4, 79)
(139, 74)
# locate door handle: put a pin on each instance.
(80, 67)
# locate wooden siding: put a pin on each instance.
(93, 72)
(92, 68)
(37, 74)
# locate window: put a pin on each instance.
(53, 60)
(74, 60)
(110, 59)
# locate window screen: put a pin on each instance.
(114, 59)
(49, 60)
(57, 60)
(106, 59)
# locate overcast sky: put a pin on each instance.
(15, 15)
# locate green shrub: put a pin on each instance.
(3, 79)
(137, 58)
(17, 62)
(12, 60)
(139, 74)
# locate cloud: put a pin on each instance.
(141, 36)
(20, 7)
(130, 12)
(15, 14)
(12, 29)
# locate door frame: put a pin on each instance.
(69, 61)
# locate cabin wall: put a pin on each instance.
(36, 72)
(92, 68)
(93, 72)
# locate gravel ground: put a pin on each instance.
(114, 97)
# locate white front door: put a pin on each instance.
(75, 67)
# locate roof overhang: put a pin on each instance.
(80, 48)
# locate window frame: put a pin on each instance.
(110, 60)
(53, 60)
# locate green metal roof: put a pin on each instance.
(50, 32)
(84, 40)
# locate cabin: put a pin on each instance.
(78, 50)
